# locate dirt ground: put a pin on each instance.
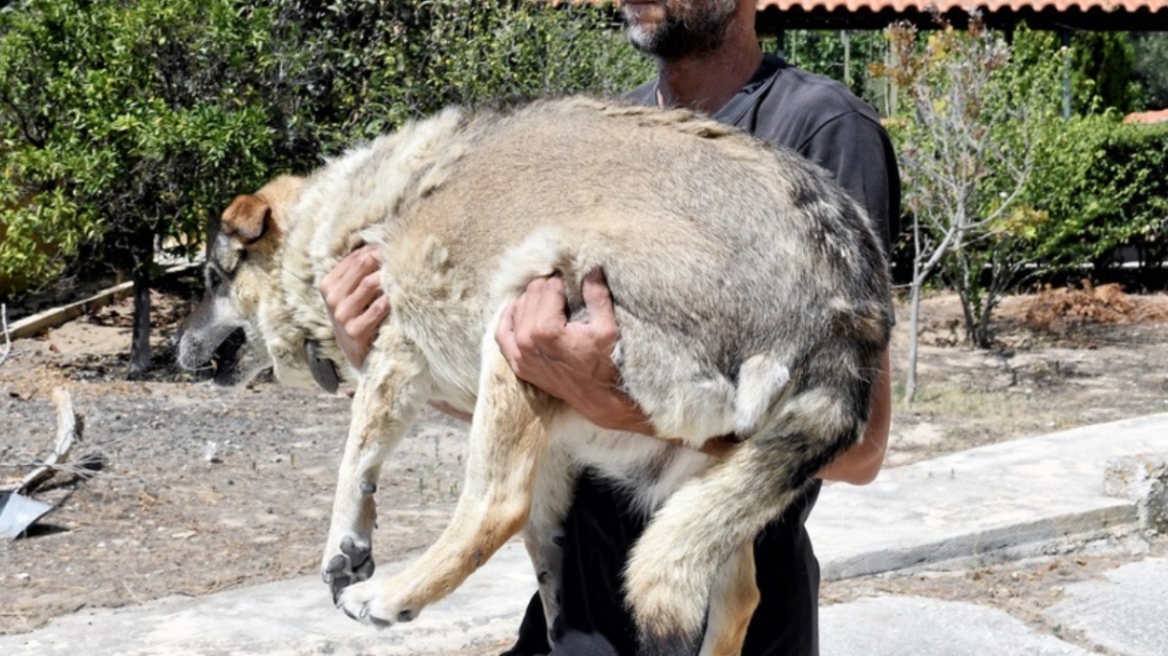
(200, 489)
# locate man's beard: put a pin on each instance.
(697, 28)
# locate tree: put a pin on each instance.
(1151, 67)
(124, 125)
(966, 151)
(1104, 75)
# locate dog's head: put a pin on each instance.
(242, 276)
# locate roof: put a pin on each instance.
(1090, 15)
(1147, 117)
(775, 16)
(984, 5)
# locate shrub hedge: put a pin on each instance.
(1104, 186)
(127, 124)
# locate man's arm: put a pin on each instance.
(860, 464)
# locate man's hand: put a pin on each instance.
(570, 360)
(356, 304)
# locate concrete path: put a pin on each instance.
(1018, 497)
(900, 626)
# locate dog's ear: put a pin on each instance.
(248, 217)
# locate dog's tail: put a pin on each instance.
(674, 565)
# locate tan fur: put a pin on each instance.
(750, 292)
(737, 597)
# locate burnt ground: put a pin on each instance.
(199, 489)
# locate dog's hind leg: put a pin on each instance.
(732, 603)
(508, 438)
(385, 404)
(673, 568)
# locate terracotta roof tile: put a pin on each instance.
(1147, 117)
(988, 5)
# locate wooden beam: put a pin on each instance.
(49, 319)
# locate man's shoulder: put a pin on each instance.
(800, 110)
(644, 94)
(797, 92)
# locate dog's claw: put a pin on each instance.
(352, 565)
(337, 586)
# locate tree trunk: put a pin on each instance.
(142, 250)
(910, 386)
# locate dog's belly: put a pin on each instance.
(649, 469)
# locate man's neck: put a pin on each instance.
(707, 82)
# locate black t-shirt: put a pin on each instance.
(825, 123)
(822, 121)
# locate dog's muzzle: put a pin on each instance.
(226, 358)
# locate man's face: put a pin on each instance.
(672, 29)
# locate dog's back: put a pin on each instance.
(740, 273)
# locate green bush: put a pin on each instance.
(125, 124)
(128, 124)
(353, 70)
(119, 123)
(1104, 184)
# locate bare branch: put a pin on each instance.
(69, 430)
(7, 336)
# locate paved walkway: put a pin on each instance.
(1017, 498)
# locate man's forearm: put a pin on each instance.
(860, 464)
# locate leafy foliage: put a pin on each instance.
(1104, 185)
(1103, 72)
(1151, 67)
(120, 122)
(128, 124)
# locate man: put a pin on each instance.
(708, 59)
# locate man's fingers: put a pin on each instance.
(370, 320)
(546, 313)
(597, 298)
(340, 282)
(359, 299)
(505, 336)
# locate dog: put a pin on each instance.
(751, 294)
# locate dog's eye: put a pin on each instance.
(214, 278)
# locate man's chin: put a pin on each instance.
(642, 20)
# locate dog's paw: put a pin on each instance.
(365, 603)
(351, 562)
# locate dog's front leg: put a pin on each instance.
(544, 534)
(385, 405)
(508, 438)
